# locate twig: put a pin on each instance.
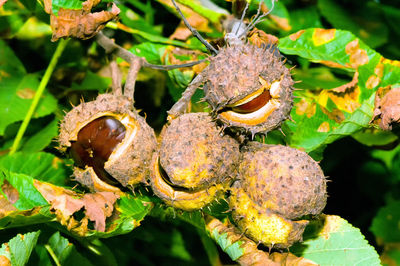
(129, 89)
(116, 78)
(111, 47)
(194, 31)
(180, 106)
(42, 85)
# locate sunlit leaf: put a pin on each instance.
(19, 248)
(333, 241)
(321, 117)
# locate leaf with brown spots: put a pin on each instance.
(343, 110)
(79, 23)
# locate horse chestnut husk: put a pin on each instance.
(109, 141)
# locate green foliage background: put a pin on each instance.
(361, 161)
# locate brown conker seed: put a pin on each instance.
(249, 88)
(96, 141)
(109, 141)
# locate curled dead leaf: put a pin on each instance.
(5, 207)
(387, 107)
(347, 86)
(259, 37)
(10, 192)
(96, 207)
(79, 23)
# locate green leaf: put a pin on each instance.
(33, 29)
(232, 249)
(19, 248)
(178, 248)
(317, 78)
(180, 80)
(12, 18)
(41, 139)
(66, 4)
(206, 9)
(64, 252)
(27, 217)
(210, 247)
(134, 21)
(92, 81)
(320, 45)
(333, 241)
(60, 246)
(304, 18)
(387, 157)
(10, 65)
(40, 165)
(28, 196)
(16, 94)
(385, 224)
(375, 137)
(153, 52)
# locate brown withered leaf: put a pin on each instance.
(10, 191)
(5, 207)
(259, 37)
(79, 23)
(97, 207)
(387, 107)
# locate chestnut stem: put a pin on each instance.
(111, 47)
(129, 89)
(180, 106)
(116, 78)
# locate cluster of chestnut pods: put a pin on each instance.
(201, 157)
